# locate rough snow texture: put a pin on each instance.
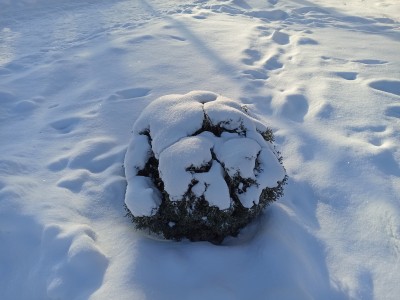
(173, 130)
(75, 75)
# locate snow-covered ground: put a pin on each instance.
(323, 74)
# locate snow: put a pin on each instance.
(215, 189)
(183, 116)
(176, 159)
(76, 75)
(236, 157)
(168, 127)
(142, 197)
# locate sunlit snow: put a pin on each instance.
(76, 75)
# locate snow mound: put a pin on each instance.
(200, 166)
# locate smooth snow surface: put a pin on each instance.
(74, 77)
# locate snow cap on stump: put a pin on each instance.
(200, 167)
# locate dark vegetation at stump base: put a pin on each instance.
(192, 217)
(195, 220)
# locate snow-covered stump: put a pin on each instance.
(200, 167)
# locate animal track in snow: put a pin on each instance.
(306, 41)
(263, 30)
(371, 61)
(263, 64)
(85, 160)
(280, 37)
(294, 107)
(386, 162)
(25, 106)
(325, 111)
(9, 102)
(94, 155)
(58, 164)
(393, 111)
(251, 56)
(386, 85)
(374, 134)
(347, 75)
(200, 16)
(65, 125)
(130, 93)
(74, 181)
(273, 63)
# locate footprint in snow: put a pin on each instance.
(74, 180)
(386, 162)
(387, 85)
(374, 134)
(347, 75)
(263, 31)
(25, 107)
(74, 264)
(9, 103)
(58, 164)
(22, 107)
(251, 56)
(94, 155)
(133, 93)
(130, 93)
(294, 107)
(200, 16)
(85, 160)
(324, 111)
(371, 61)
(273, 63)
(280, 37)
(65, 125)
(306, 41)
(393, 111)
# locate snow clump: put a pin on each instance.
(200, 167)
